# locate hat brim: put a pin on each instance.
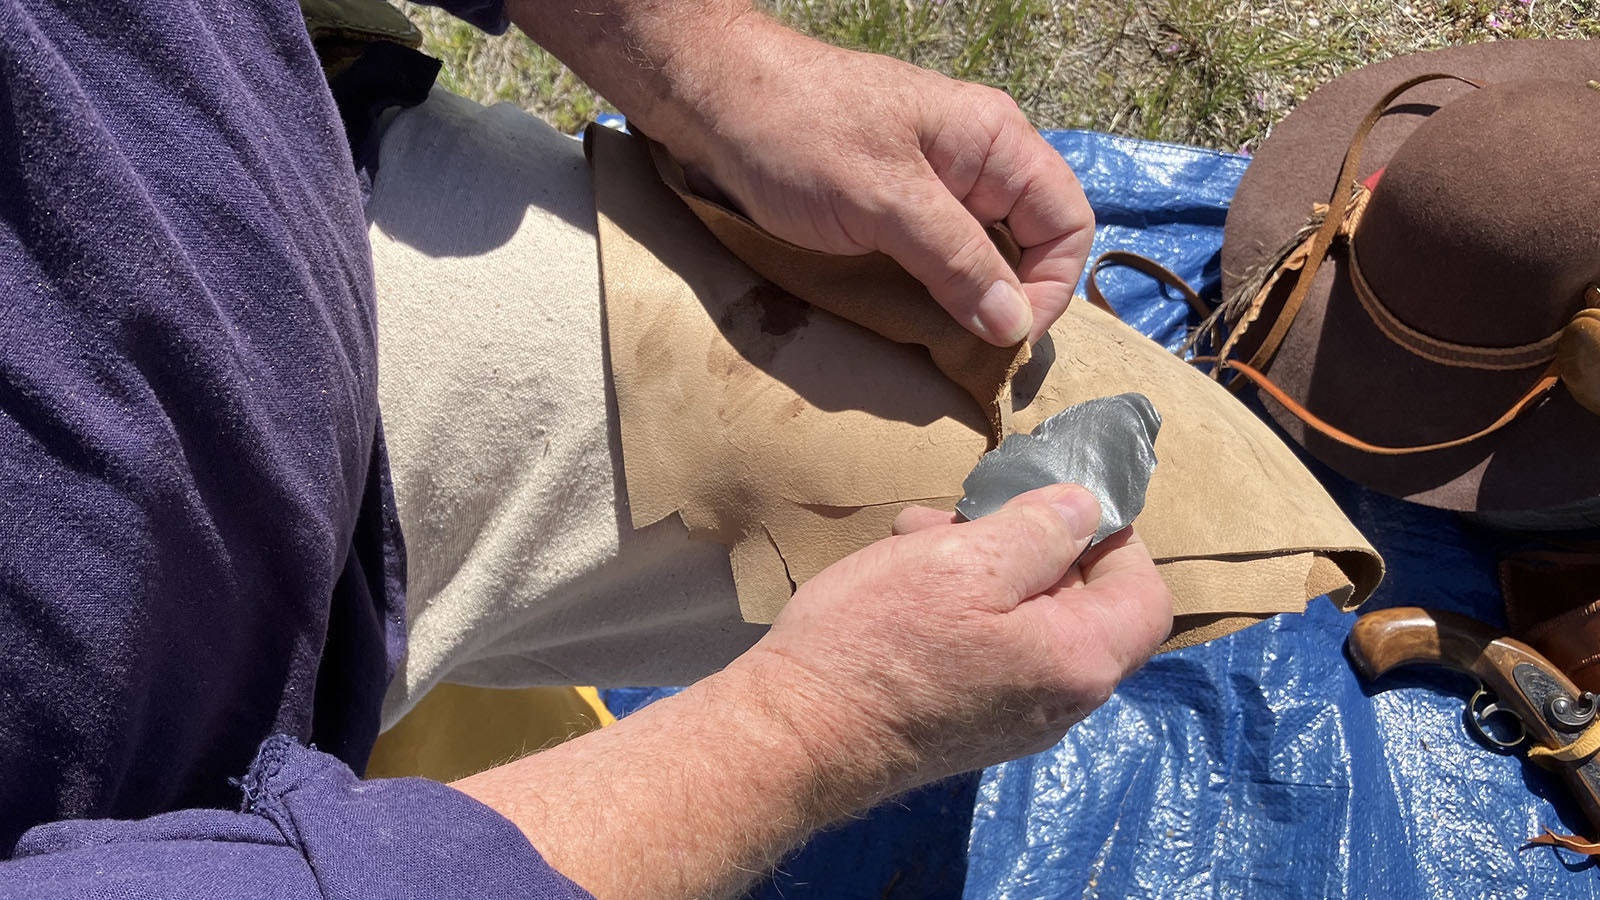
(1337, 364)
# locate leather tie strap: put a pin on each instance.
(1543, 386)
(1547, 381)
(1146, 266)
(1245, 309)
(1567, 842)
(1323, 240)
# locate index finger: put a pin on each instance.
(1121, 583)
(1054, 224)
(1119, 598)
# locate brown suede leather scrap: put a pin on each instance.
(899, 307)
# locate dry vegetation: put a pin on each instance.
(1216, 73)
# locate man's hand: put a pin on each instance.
(956, 646)
(843, 152)
(851, 152)
(941, 649)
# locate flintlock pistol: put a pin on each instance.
(1513, 679)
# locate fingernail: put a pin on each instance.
(1078, 508)
(1004, 313)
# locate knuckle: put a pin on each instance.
(1158, 603)
(1144, 615)
(1088, 681)
(886, 194)
(1034, 527)
(1098, 687)
(968, 262)
(950, 555)
(1087, 668)
(958, 563)
(1141, 621)
(994, 99)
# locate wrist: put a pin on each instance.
(697, 793)
(848, 747)
(663, 63)
(708, 86)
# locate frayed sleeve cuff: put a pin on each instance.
(309, 828)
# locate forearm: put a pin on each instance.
(693, 796)
(657, 60)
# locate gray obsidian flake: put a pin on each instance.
(1106, 444)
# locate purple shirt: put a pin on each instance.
(309, 829)
(198, 547)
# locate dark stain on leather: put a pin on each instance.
(781, 312)
(759, 323)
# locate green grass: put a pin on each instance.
(1217, 73)
(511, 69)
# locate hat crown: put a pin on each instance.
(1484, 228)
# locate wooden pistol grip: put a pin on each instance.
(1409, 635)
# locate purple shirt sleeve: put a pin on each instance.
(196, 549)
(197, 546)
(309, 829)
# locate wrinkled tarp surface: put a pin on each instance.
(1255, 766)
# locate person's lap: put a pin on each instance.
(523, 568)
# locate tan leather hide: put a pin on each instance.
(794, 435)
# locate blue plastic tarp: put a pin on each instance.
(1258, 765)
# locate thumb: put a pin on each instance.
(916, 518)
(1030, 544)
(933, 237)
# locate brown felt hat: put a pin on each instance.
(1462, 289)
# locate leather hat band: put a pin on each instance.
(1445, 353)
(1574, 363)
